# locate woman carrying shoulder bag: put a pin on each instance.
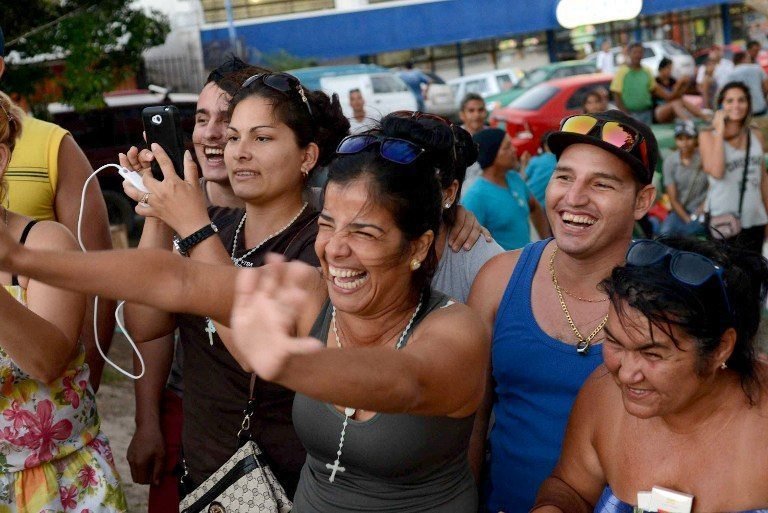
(738, 192)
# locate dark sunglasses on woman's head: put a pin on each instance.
(411, 114)
(395, 150)
(615, 133)
(282, 82)
(688, 268)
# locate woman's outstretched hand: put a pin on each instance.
(179, 203)
(265, 314)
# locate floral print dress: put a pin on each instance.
(53, 456)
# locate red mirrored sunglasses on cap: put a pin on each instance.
(615, 133)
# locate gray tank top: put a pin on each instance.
(723, 194)
(392, 462)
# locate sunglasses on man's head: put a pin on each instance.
(282, 82)
(393, 149)
(688, 268)
(615, 133)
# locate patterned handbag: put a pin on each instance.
(245, 483)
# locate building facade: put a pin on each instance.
(451, 37)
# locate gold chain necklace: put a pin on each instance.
(585, 300)
(582, 346)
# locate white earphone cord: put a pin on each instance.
(96, 298)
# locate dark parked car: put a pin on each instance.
(103, 133)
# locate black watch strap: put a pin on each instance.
(183, 246)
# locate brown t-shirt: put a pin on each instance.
(216, 387)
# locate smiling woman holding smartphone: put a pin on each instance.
(732, 154)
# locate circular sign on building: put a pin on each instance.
(576, 13)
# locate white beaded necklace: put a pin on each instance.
(210, 328)
(350, 412)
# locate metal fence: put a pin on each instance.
(180, 73)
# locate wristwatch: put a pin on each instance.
(183, 246)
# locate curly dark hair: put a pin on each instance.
(699, 312)
(458, 152)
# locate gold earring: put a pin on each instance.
(415, 264)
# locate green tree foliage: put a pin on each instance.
(100, 43)
(282, 61)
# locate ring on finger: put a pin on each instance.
(144, 201)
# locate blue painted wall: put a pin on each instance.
(399, 28)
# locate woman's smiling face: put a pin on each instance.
(735, 104)
(657, 377)
(263, 159)
(363, 253)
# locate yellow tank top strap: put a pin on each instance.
(19, 293)
(33, 172)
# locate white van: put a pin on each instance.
(485, 84)
(383, 92)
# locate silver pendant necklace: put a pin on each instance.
(240, 261)
(350, 412)
(210, 328)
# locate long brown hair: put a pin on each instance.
(11, 117)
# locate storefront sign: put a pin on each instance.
(575, 13)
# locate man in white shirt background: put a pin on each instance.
(723, 68)
(605, 60)
(360, 120)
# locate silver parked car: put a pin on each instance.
(485, 84)
(439, 98)
(683, 64)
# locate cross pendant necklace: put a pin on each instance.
(348, 412)
(210, 329)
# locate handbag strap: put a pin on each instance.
(746, 169)
(243, 437)
(244, 434)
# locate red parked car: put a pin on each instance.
(541, 108)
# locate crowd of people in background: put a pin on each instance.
(404, 314)
(698, 185)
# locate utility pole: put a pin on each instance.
(231, 29)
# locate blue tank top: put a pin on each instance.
(536, 379)
(609, 503)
